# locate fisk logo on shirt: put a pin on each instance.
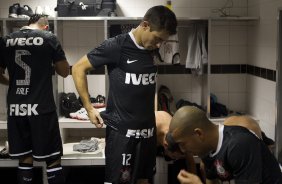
(24, 41)
(140, 133)
(23, 109)
(140, 79)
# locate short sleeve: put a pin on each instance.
(58, 52)
(108, 53)
(245, 159)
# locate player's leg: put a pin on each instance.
(25, 170)
(47, 145)
(119, 165)
(145, 160)
(20, 147)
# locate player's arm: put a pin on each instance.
(62, 68)
(190, 163)
(3, 79)
(79, 71)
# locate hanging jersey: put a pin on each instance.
(132, 76)
(28, 54)
(169, 50)
(236, 159)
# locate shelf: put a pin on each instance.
(135, 18)
(3, 124)
(235, 18)
(65, 162)
(74, 123)
(70, 158)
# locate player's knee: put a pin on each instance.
(53, 161)
(26, 160)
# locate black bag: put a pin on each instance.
(76, 8)
(69, 103)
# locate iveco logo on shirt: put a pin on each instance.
(140, 79)
(140, 133)
(25, 41)
(23, 109)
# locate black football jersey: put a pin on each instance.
(132, 78)
(28, 55)
(243, 157)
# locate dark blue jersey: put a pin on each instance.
(243, 157)
(132, 77)
(28, 55)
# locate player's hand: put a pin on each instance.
(185, 177)
(95, 118)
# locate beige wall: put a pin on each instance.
(262, 52)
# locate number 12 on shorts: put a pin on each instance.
(126, 158)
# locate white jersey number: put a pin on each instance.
(24, 66)
(125, 159)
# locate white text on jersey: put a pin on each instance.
(24, 41)
(22, 91)
(23, 109)
(140, 133)
(144, 79)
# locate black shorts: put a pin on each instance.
(38, 136)
(128, 158)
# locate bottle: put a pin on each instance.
(168, 5)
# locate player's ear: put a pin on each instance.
(145, 25)
(199, 133)
(46, 27)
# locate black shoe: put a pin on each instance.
(25, 12)
(13, 10)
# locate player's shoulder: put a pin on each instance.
(240, 135)
(114, 42)
(45, 34)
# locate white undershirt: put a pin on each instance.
(220, 139)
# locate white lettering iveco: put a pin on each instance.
(140, 79)
(23, 109)
(24, 41)
(140, 133)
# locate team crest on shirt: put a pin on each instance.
(125, 175)
(222, 173)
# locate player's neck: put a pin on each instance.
(137, 35)
(214, 138)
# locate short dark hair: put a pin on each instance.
(38, 18)
(161, 18)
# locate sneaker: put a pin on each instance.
(38, 10)
(80, 114)
(99, 102)
(4, 153)
(13, 10)
(46, 11)
(25, 12)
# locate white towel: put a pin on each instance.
(197, 54)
